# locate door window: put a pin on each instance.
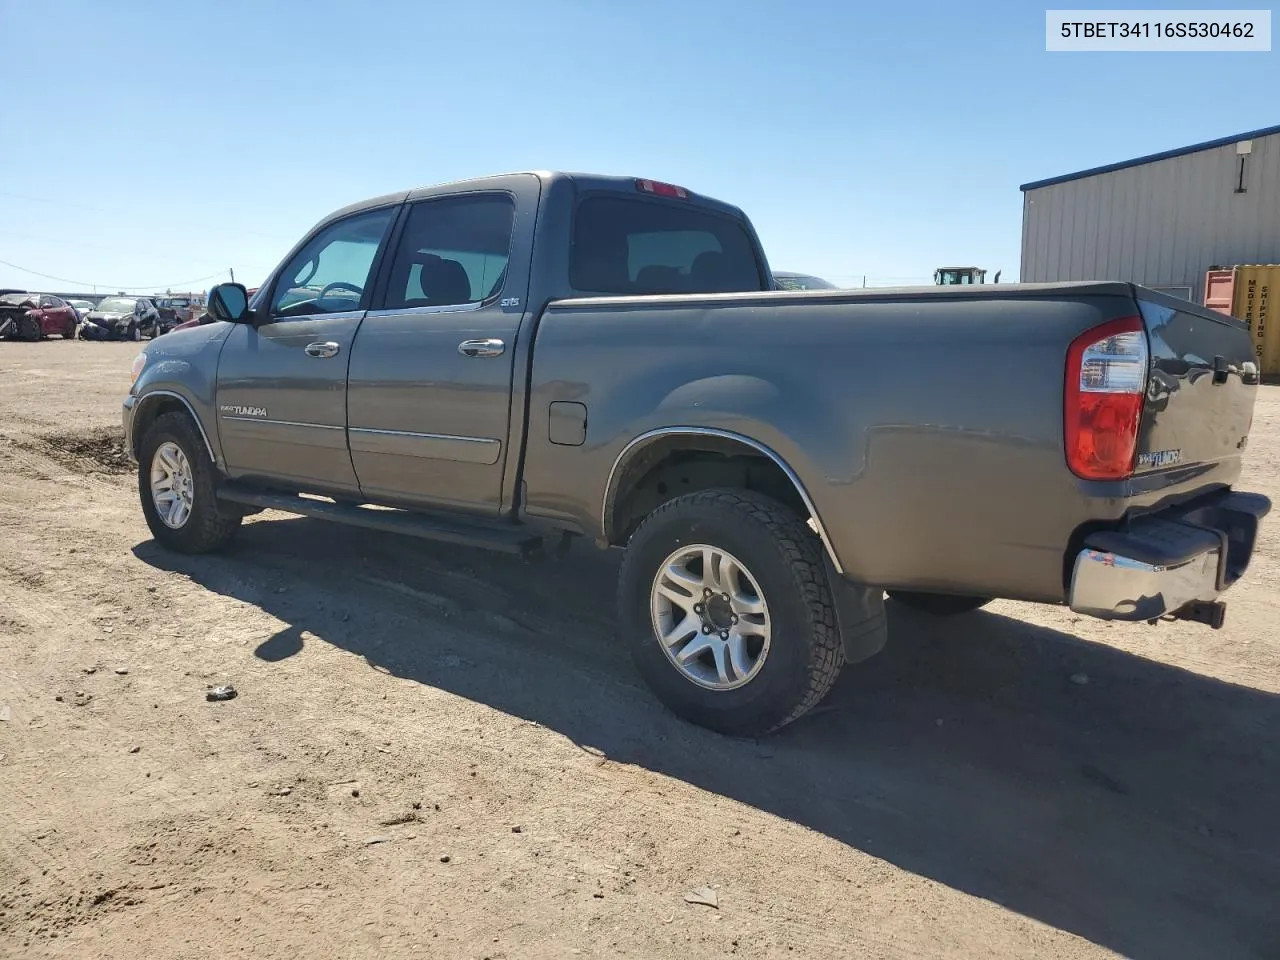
(330, 274)
(452, 252)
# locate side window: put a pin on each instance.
(330, 273)
(453, 251)
(48, 303)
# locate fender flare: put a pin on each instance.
(637, 445)
(150, 395)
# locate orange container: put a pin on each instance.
(1253, 301)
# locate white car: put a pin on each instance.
(81, 307)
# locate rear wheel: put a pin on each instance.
(726, 609)
(177, 483)
(938, 604)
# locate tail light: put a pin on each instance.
(662, 189)
(1106, 385)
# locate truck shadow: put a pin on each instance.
(1138, 811)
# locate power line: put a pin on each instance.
(114, 286)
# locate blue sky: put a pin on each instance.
(154, 142)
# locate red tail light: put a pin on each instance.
(662, 189)
(1106, 385)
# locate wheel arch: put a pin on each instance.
(651, 452)
(156, 403)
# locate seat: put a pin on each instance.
(658, 279)
(710, 273)
(443, 282)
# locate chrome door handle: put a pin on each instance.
(326, 349)
(481, 348)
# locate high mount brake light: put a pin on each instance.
(662, 189)
(1105, 388)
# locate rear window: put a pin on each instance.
(626, 246)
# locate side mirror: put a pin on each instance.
(229, 301)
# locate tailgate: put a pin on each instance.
(1202, 385)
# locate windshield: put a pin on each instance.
(81, 304)
(796, 281)
(116, 305)
(13, 299)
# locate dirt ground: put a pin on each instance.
(437, 752)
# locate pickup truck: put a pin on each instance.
(517, 361)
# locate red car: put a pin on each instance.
(34, 316)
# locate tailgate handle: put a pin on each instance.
(1220, 369)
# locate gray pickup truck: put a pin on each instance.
(516, 361)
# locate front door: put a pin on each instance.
(282, 383)
(430, 380)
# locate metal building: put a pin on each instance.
(1162, 220)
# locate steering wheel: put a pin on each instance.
(340, 284)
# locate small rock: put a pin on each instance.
(598, 895)
(1080, 679)
(135, 749)
(108, 629)
(122, 671)
(227, 692)
(355, 793)
(446, 858)
(517, 829)
(417, 804)
(5, 713)
(373, 840)
(90, 670)
(58, 698)
(282, 792)
(704, 897)
(436, 806)
(151, 589)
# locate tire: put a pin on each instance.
(783, 560)
(29, 329)
(938, 604)
(209, 525)
(69, 331)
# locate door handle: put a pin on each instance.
(481, 348)
(325, 349)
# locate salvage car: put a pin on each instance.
(122, 318)
(81, 307)
(788, 280)
(33, 316)
(487, 363)
(174, 311)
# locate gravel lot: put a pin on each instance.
(438, 752)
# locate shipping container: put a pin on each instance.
(1252, 301)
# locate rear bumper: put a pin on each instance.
(1169, 562)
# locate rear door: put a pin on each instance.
(282, 384)
(1203, 383)
(430, 383)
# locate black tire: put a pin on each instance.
(29, 329)
(210, 525)
(785, 560)
(938, 604)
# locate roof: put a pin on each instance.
(1151, 158)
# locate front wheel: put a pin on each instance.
(938, 604)
(177, 484)
(725, 605)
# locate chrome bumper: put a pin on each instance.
(1167, 563)
(126, 419)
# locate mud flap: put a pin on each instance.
(860, 616)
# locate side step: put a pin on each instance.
(502, 537)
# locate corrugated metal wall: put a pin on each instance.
(1160, 224)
